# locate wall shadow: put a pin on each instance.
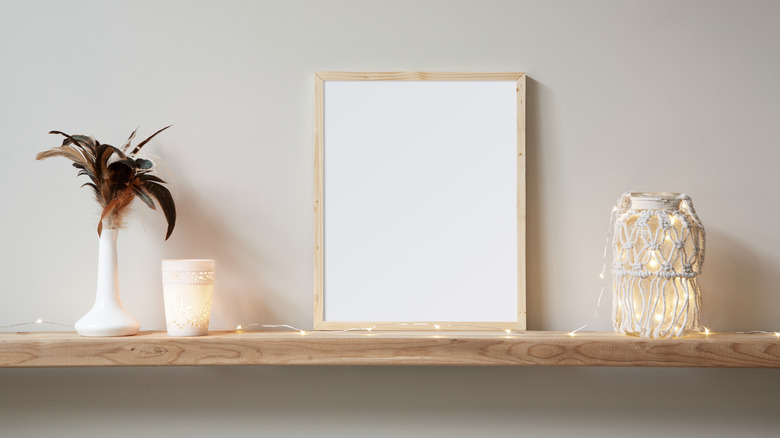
(535, 303)
(738, 286)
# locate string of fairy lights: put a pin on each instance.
(429, 325)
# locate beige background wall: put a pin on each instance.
(653, 96)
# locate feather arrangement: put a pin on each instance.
(117, 176)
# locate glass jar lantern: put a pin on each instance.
(658, 249)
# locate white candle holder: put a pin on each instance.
(187, 291)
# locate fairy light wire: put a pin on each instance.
(603, 273)
(38, 321)
(436, 326)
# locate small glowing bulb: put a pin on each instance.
(653, 263)
(436, 326)
(601, 276)
(39, 321)
(777, 334)
(238, 327)
(571, 334)
(706, 331)
(658, 317)
(303, 332)
(369, 329)
(508, 331)
(614, 208)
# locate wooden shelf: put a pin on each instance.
(531, 348)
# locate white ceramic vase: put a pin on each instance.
(107, 317)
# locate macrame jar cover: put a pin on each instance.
(658, 249)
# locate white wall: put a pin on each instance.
(653, 96)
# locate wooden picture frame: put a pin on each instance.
(338, 85)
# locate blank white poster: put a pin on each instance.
(420, 201)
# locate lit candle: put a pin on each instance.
(187, 291)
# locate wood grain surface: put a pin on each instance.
(67, 349)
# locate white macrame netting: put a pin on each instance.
(658, 249)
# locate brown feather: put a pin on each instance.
(140, 145)
(118, 183)
(129, 140)
(115, 210)
(66, 152)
